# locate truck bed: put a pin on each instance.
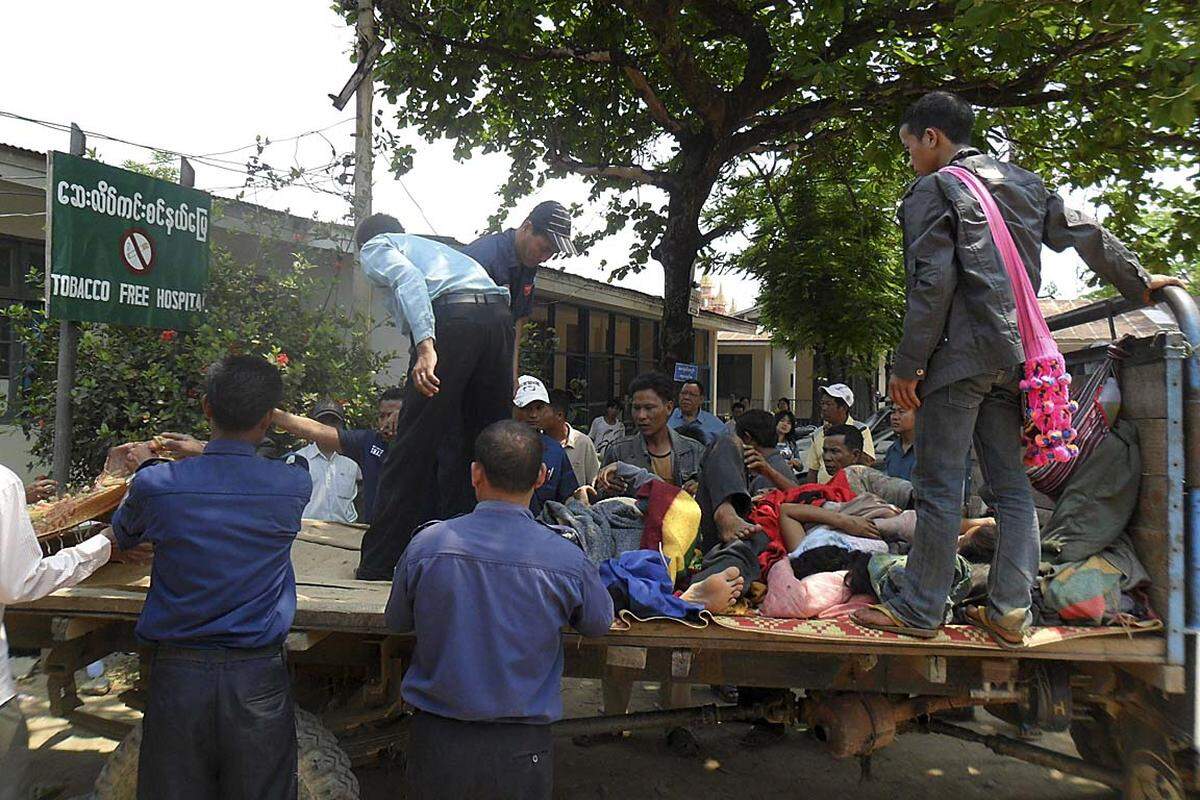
(330, 599)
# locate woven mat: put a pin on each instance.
(843, 630)
(964, 636)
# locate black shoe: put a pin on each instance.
(368, 575)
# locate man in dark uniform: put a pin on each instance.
(488, 595)
(459, 381)
(511, 257)
(219, 720)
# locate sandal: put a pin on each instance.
(898, 625)
(1005, 637)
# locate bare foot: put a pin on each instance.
(716, 592)
(731, 527)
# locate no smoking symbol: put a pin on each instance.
(137, 251)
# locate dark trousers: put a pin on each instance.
(426, 474)
(456, 760)
(722, 478)
(985, 409)
(218, 724)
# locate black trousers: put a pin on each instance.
(427, 472)
(454, 760)
(218, 724)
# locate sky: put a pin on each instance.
(208, 79)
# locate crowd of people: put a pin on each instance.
(469, 464)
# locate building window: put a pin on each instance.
(17, 258)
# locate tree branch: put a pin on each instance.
(697, 86)
(711, 236)
(393, 13)
(621, 172)
(657, 110)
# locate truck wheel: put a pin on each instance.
(324, 768)
(1150, 772)
(1096, 740)
(325, 772)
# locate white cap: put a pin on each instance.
(841, 391)
(529, 389)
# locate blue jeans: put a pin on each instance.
(219, 723)
(988, 408)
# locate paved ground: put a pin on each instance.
(916, 767)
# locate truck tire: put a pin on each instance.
(1096, 740)
(325, 772)
(324, 768)
(1150, 771)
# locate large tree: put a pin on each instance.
(678, 94)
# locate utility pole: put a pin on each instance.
(364, 159)
(68, 349)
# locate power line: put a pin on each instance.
(271, 141)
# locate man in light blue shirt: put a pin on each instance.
(689, 412)
(459, 381)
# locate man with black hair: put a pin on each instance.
(655, 447)
(607, 429)
(734, 469)
(487, 595)
(690, 411)
(511, 257)
(367, 447)
(221, 599)
(458, 381)
(580, 449)
(735, 411)
(959, 362)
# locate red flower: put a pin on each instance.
(282, 359)
(168, 336)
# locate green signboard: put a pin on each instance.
(124, 248)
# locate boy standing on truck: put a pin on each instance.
(219, 720)
(960, 359)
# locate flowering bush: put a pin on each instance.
(132, 383)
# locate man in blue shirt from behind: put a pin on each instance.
(487, 595)
(219, 720)
(459, 381)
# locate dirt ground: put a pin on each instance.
(917, 767)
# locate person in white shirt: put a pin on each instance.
(26, 575)
(335, 477)
(581, 452)
(607, 429)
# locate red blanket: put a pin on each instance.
(766, 511)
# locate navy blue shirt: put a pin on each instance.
(898, 463)
(222, 525)
(560, 483)
(488, 594)
(367, 448)
(497, 253)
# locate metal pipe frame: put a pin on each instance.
(1015, 748)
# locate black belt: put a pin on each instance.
(474, 298)
(218, 654)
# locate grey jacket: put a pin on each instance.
(961, 319)
(632, 450)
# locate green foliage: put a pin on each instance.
(538, 345)
(132, 383)
(673, 98)
(827, 252)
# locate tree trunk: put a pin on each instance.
(677, 251)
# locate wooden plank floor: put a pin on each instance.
(329, 598)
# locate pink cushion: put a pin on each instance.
(790, 598)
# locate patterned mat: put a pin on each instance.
(962, 636)
(843, 630)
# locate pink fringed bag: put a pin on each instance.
(1048, 435)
